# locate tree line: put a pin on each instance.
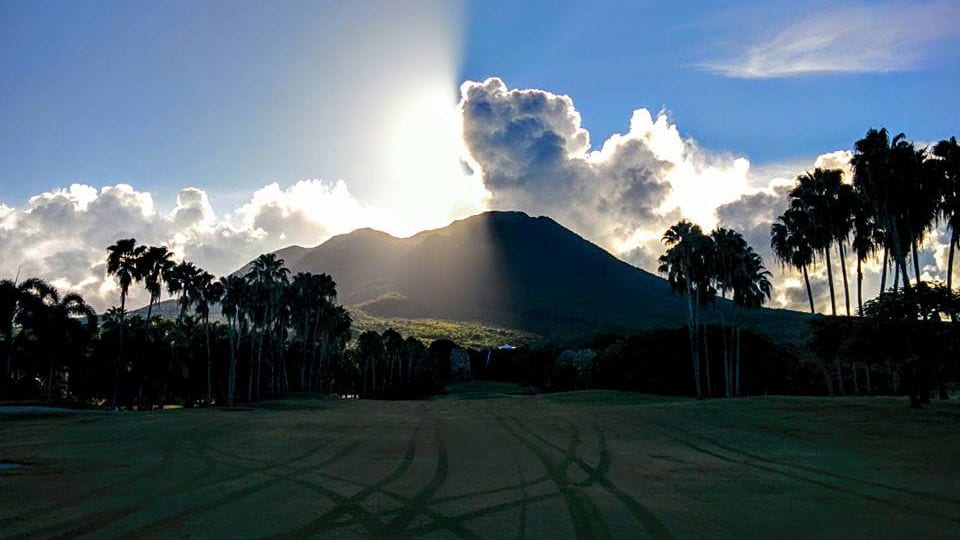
(898, 194)
(275, 334)
(700, 266)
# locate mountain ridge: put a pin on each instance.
(509, 270)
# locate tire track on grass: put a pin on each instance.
(814, 470)
(654, 527)
(239, 494)
(327, 519)
(587, 522)
(415, 506)
(797, 476)
(89, 521)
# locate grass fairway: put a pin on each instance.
(488, 462)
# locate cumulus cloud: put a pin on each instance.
(61, 235)
(534, 154)
(858, 38)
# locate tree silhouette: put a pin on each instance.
(267, 278)
(235, 293)
(154, 265)
(14, 298)
(123, 262)
(792, 247)
(751, 289)
(207, 292)
(947, 164)
(59, 323)
(884, 186)
(828, 204)
(688, 264)
(867, 238)
(729, 248)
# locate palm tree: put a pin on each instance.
(181, 282)
(729, 247)
(751, 288)
(123, 262)
(235, 291)
(155, 263)
(63, 322)
(207, 292)
(822, 197)
(792, 247)
(267, 277)
(13, 298)
(882, 183)
(687, 264)
(867, 238)
(947, 153)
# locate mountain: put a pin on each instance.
(501, 277)
(504, 270)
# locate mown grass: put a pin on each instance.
(487, 460)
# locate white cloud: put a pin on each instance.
(534, 155)
(850, 38)
(62, 235)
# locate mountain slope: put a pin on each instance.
(505, 269)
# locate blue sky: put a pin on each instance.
(613, 57)
(227, 128)
(234, 94)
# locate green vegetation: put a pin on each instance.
(466, 333)
(587, 464)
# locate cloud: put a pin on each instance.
(859, 38)
(534, 154)
(62, 235)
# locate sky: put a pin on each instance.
(227, 128)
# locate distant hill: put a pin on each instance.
(502, 270)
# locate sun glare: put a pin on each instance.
(426, 182)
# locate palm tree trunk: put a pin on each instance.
(856, 382)
(916, 264)
(727, 379)
(691, 328)
(149, 308)
(256, 382)
(833, 299)
(253, 346)
(706, 358)
(883, 272)
(8, 361)
(737, 372)
(827, 378)
(866, 376)
(896, 276)
(806, 280)
(116, 371)
(206, 330)
(50, 381)
(843, 273)
(232, 370)
(954, 238)
(899, 256)
(859, 286)
(839, 377)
